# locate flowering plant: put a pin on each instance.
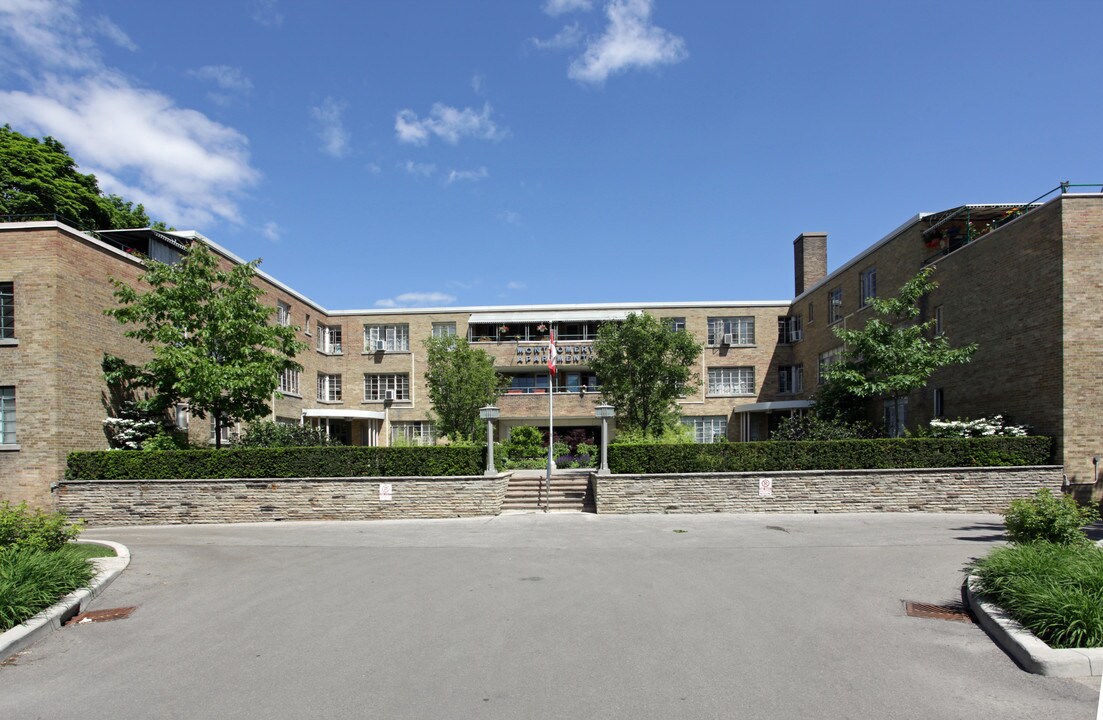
(981, 427)
(542, 327)
(504, 328)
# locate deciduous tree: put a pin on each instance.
(461, 380)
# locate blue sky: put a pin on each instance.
(385, 153)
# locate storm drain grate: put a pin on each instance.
(954, 611)
(101, 615)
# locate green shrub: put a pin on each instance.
(1048, 517)
(1056, 591)
(282, 462)
(266, 433)
(830, 455)
(166, 441)
(810, 426)
(524, 441)
(524, 464)
(37, 530)
(33, 580)
(678, 434)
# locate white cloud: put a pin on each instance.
(225, 77)
(448, 124)
(569, 37)
(515, 285)
(470, 175)
(114, 33)
(630, 41)
(54, 34)
(416, 299)
(373, 168)
(182, 165)
(477, 81)
(331, 127)
(267, 13)
(558, 7)
(415, 168)
(272, 231)
(510, 217)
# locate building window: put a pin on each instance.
(419, 432)
(329, 339)
(896, 416)
(827, 359)
(834, 305)
(709, 429)
(183, 417)
(939, 403)
(392, 338)
(329, 388)
(731, 381)
(7, 416)
(7, 311)
(227, 431)
(867, 289)
(376, 387)
(444, 329)
(938, 327)
(289, 382)
(790, 379)
(283, 313)
(677, 324)
(790, 329)
(306, 325)
(731, 331)
(811, 312)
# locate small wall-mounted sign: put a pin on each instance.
(766, 487)
(384, 492)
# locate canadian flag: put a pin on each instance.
(552, 352)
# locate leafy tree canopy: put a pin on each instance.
(210, 337)
(38, 177)
(643, 366)
(461, 380)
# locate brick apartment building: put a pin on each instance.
(1024, 288)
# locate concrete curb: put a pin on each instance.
(50, 619)
(1028, 651)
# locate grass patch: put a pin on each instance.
(88, 550)
(33, 580)
(1055, 591)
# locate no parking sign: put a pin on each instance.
(766, 487)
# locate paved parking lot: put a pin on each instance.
(540, 616)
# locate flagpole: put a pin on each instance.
(551, 417)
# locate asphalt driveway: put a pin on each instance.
(540, 616)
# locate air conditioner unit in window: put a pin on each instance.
(729, 339)
(378, 345)
(388, 394)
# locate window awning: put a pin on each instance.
(495, 318)
(773, 406)
(343, 414)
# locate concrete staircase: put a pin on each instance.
(570, 491)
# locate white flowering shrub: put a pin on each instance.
(980, 427)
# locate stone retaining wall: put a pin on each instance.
(167, 502)
(972, 490)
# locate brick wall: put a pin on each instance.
(170, 502)
(974, 490)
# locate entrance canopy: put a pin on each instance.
(498, 318)
(339, 413)
(777, 406)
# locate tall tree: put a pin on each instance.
(643, 365)
(461, 380)
(893, 355)
(210, 337)
(38, 177)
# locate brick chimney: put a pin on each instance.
(809, 260)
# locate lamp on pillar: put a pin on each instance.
(604, 412)
(490, 413)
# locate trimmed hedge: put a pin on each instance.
(830, 455)
(282, 462)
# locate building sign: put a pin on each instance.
(538, 354)
(384, 492)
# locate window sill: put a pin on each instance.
(385, 352)
(290, 394)
(330, 354)
(721, 347)
(10, 447)
(404, 403)
(729, 395)
(9, 342)
(331, 402)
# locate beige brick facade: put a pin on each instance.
(1027, 293)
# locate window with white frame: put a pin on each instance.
(677, 324)
(306, 325)
(392, 338)
(896, 416)
(938, 327)
(708, 429)
(790, 379)
(376, 386)
(867, 286)
(419, 432)
(329, 339)
(7, 416)
(811, 312)
(283, 313)
(7, 311)
(329, 388)
(827, 359)
(182, 416)
(227, 431)
(731, 381)
(737, 330)
(790, 329)
(939, 403)
(444, 329)
(289, 382)
(835, 305)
